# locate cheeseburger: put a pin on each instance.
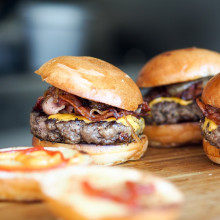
(91, 106)
(174, 80)
(210, 122)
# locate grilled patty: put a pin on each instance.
(75, 132)
(172, 113)
(213, 136)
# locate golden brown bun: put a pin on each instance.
(173, 135)
(179, 66)
(211, 92)
(104, 155)
(211, 151)
(57, 207)
(22, 185)
(68, 201)
(92, 79)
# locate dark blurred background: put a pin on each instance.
(124, 32)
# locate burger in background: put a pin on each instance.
(175, 79)
(210, 122)
(92, 106)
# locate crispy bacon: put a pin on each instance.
(38, 105)
(191, 93)
(194, 91)
(209, 111)
(84, 111)
(85, 107)
(111, 112)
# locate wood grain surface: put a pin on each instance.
(187, 167)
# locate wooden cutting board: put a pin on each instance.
(187, 167)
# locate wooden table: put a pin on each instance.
(187, 167)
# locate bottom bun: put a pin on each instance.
(105, 199)
(173, 135)
(211, 151)
(104, 154)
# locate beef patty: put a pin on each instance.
(213, 136)
(173, 113)
(75, 132)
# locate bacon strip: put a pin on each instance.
(82, 106)
(191, 93)
(84, 111)
(38, 104)
(209, 111)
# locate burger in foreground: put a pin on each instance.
(92, 106)
(210, 122)
(104, 193)
(175, 79)
(21, 166)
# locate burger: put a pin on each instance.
(91, 106)
(174, 80)
(210, 122)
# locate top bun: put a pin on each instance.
(211, 92)
(179, 66)
(92, 79)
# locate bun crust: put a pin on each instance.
(92, 79)
(211, 92)
(23, 185)
(173, 135)
(107, 154)
(69, 201)
(211, 151)
(169, 213)
(179, 66)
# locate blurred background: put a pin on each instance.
(125, 33)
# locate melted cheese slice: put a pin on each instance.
(137, 124)
(170, 99)
(209, 124)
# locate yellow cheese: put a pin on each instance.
(209, 124)
(170, 99)
(135, 122)
(69, 117)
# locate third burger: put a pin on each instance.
(210, 122)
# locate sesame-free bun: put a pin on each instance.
(92, 79)
(179, 66)
(23, 185)
(173, 135)
(211, 92)
(107, 154)
(68, 200)
(211, 151)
